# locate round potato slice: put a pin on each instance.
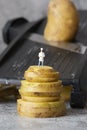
(41, 74)
(41, 87)
(42, 69)
(39, 94)
(40, 99)
(45, 109)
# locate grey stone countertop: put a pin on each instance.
(75, 119)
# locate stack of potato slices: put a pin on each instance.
(40, 93)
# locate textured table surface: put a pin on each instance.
(10, 120)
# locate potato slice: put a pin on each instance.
(44, 109)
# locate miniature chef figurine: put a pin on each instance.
(41, 56)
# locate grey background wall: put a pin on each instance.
(30, 9)
(80, 4)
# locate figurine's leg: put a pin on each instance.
(39, 63)
(42, 63)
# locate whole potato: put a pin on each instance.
(63, 21)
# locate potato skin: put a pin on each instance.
(63, 21)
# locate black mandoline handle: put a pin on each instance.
(16, 23)
(29, 27)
